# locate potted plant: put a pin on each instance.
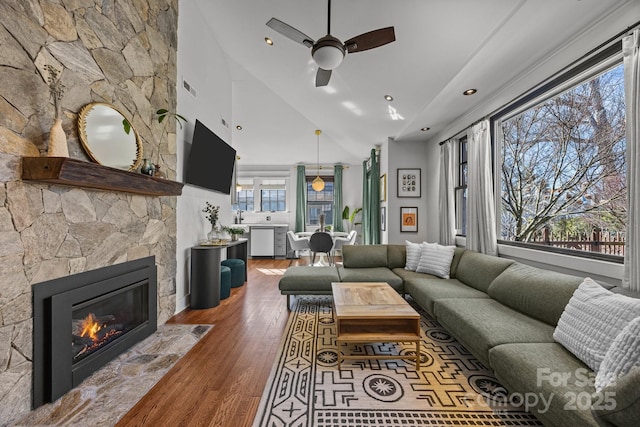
(234, 232)
(349, 218)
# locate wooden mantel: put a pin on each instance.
(78, 173)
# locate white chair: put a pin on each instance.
(297, 243)
(338, 242)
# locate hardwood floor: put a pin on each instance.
(220, 381)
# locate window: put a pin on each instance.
(563, 174)
(461, 188)
(273, 195)
(320, 202)
(245, 194)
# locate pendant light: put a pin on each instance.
(318, 183)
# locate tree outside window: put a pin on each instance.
(563, 175)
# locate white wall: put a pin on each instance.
(201, 62)
(413, 155)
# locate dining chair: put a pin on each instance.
(321, 242)
(350, 239)
(297, 243)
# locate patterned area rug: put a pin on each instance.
(307, 389)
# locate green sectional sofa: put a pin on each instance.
(505, 313)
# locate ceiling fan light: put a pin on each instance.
(317, 184)
(328, 52)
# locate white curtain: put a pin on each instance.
(446, 202)
(481, 215)
(630, 52)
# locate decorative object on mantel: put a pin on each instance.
(108, 137)
(78, 173)
(147, 168)
(57, 138)
(212, 215)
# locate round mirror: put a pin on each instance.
(108, 137)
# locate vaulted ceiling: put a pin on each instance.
(442, 48)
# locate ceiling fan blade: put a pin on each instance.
(290, 32)
(322, 77)
(370, 40)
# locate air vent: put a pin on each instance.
(189, 88)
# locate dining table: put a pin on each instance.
(322, 261)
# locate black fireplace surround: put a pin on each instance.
(123, 299)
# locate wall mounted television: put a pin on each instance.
(211, 161)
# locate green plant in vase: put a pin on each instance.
(349, 218)
(212, 215)
(234, 232)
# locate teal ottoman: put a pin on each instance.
(237, 271)
(225, 282)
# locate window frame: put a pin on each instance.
(571, 76)
(308, 180)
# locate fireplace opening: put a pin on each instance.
(100, 321)
(83, 321)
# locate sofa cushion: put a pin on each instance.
(539, 293)
(621, 357)
(435, 259)
(308, 280)
(412, 251)
(396, 256)
(425, 290)
(457, 255)
(376, 274)
(479, 270)
(626, 394)
(591, 321)
(364, 256)
(549, 371)
(480, 324)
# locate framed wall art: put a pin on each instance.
(409, 219)
(409, 183)
(383, 218)
(383, 188)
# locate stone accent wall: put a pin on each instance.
(121, 52)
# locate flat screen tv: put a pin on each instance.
(211, 161)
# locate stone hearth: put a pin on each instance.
(107, 395)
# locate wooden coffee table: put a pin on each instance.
(370, 312)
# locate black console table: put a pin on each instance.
(205, 271)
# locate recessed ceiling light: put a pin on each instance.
(239, 127)
(268, 41)
(424, 129)
(388, 98)
(469, 91)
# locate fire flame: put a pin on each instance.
(90, 327)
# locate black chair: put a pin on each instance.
(321, 242)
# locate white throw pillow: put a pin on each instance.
(435, 259)
(592, 319)
(622, 356)
(413, 255)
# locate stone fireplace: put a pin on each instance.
(98, 314)
(118, 52)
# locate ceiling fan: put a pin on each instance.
(328, 52)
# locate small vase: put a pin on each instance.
(147, 167)
(214, 234)
(57, 141)
(234, 237)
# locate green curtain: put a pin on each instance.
(301, 199)
(337, 198)
(374, 200)
(371, 201)
(365, 205)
